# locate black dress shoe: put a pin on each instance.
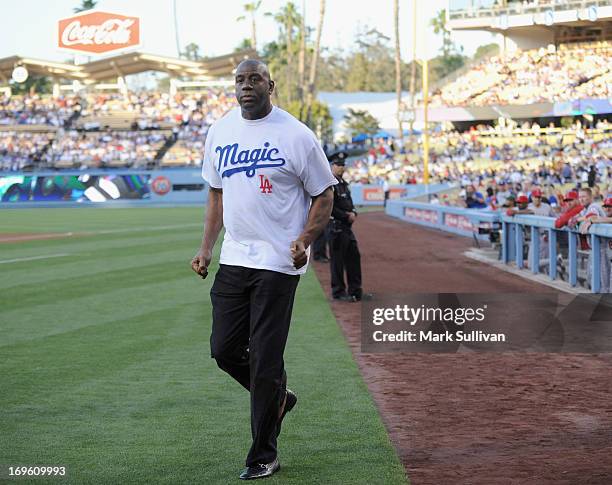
(348, 298)
(261, 470)
(289, 404)
(364, 297)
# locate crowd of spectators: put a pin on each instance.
(154, 107)
(37, 110)
(20, 149)
(182, 120)
(526, 153)
(564, 73)
(75, 149)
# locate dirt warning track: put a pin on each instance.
(468, 417)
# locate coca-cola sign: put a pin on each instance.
(95, 32)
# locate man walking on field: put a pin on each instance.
(270, 186)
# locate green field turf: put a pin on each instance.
(105, 363)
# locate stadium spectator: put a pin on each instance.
(571, 209)
(589, 208)
(474, 199)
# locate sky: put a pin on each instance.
(28, 27)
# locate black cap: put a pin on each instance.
(337, 158)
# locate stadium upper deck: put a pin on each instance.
(535, 23)
(567, 73)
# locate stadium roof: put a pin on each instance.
(40, 68)
(521, 15)
(126, 64)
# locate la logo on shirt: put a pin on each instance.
(265, 186)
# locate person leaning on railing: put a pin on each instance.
(572, 209)
(606, 248)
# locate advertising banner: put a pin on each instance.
(73, 188)
(94, 32)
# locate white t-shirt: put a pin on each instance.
(543, 210)
(268, 169)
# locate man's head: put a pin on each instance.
(522, 201)
(253, 88)
(510, 202)
(338, 161)
(337, 169)
(571, 198)
(536, 197)
(607, 206)
(586, 196)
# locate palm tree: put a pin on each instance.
(413, 65)
(313, 66)
(192, 52)
(398, 70)
(302, 60)
(439, 26)
(250, 9)
(176, 32)
(85, 5)
(288, 18)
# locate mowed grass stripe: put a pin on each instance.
(115, 379)
(83, 219)
(83, 263)
(117, 241)
(74, 311)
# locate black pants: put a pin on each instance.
(345, 256)
(251, 316)
(319, 247)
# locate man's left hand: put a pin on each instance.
(298, 254)
(584, 227)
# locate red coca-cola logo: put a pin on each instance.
(97, 32)
(161, 185)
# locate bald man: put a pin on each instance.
(270, 186)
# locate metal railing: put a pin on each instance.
(458, 220)
(519, 8)
(522, 238)
(514, 240)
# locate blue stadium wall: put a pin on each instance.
(141, 187)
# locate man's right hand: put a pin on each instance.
(200, 262)
(351, 217)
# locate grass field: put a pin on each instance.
(105, 363)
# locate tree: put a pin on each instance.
(302, 61)
(85, 5)
(250, 10)
(439, 25)
(413, 68)
(360, 121)
(288, 19)
(486, 50)
(398, 69)
(33, 84)
(245, 44)
(313, 65)
(192, 52)
(322, 121)
(451, 58)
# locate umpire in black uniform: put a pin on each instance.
(344, 252)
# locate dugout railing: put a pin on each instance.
(521, 237)
(516, 230)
